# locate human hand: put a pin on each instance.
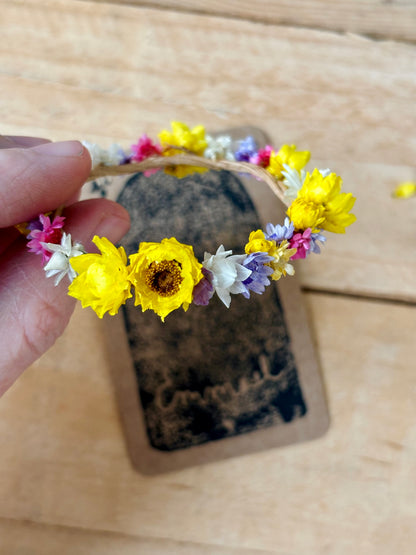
(37, 176)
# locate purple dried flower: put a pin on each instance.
(35, 224)
(247, 148)
(258, 279)
(314, 246)
(278, 232)
(204, 289)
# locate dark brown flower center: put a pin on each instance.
(164, 278)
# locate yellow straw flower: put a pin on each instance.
(102, 282)
(164, 276)
(182, 136)
(321, 205)
(257, 242)
(405, 190)
(289, 156)
(304, 214)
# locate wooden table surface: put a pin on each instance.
(338, 78)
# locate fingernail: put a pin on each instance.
(63, 148)
(113, 227)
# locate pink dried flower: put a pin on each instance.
(143, 149)
(45, 232)
(302, 242)
(262, 157)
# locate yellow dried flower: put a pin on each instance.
(102, 282)
(164, 276)
(405, 190)
(257, 242)
(287, 155)
(321, 205)
(182, 136)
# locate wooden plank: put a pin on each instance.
(63, 460)
(376, 18)
(117, 71)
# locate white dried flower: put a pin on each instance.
(228, 273)
(219, 148)
(59, 264)
(113, 156)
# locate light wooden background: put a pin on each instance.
(338, 78)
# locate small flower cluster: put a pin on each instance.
(167, 275)
(195, 141)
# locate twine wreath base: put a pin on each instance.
(156, 162)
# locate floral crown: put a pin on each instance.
(167, 275)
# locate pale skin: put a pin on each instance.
(37, 176)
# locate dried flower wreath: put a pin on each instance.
(167, 275)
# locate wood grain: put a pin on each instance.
(64, 463)
(117, 71)
(376, 18)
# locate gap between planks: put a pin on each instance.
(365, 297)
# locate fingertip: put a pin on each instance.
(63, 152)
